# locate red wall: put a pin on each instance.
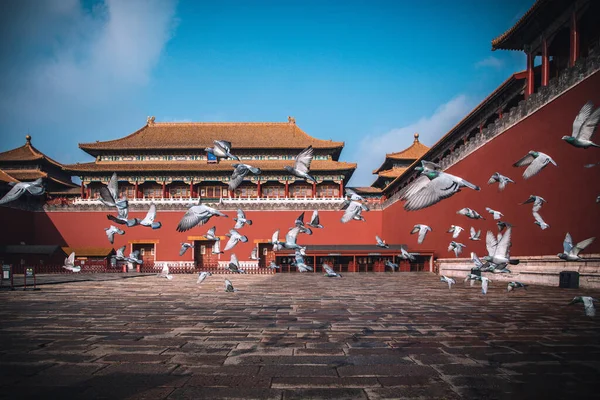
(17, 226)
(570, 189)
(86, 229)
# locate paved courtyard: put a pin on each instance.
(296, 336)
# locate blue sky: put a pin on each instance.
(369, 73)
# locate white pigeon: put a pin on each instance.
(111, 231)
(471, 278)
(381, 242)
(496, 214)
(277, 245)
(422, 229)
(254, 255)
(241, 220)
(222, 149)
(302, 165)
(70, 263)
(36, 188)
(164, 273)
(149, 218)
(405, 255)
(234, 265)
(330, 273)
(455, 230)
(210, 235)
(229, 286)
(120, 255)
(234, 238)
(216, 249)
(476, 261)
(499, 248)
(571, 253)
(292, 237)
(197, 215)
(441, 185)
(475, 235)
(449, 281)
(202, 276)
(109, 194)
(540, 221)
(184, 247)
(588, 304)
(299, 262)
(354, 211)
(584, 126)
(314, 220)
(503, 180)
(536, 161)
(469, 213)
(484, 284)
(240, 171)
(456, 248)
(353, 196)
(537, 202)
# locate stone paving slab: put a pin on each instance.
(295, 336)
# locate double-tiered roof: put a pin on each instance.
(395, 164)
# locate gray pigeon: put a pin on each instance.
(381, 242)
(502, 225)
(540, 221)
(405, 255)
(314, 220)
(484, 284)
(456, 248)
(216, 249)
(234, 265)
(496, 214)
(584, 126)
(302, 165)
(234, 238)
(254, 254)
(449, 281)
(330, 273)
(300, 220)
(111, 231)
(475, 235)
(222, 149)
(537, 202)
(571, 253)
(469, 213)
(536, 161)
(422, 229)
(503, 180)
(202, 276)
(272, 265)
(455, 230)
(109, 194)
(35, 188)
(120, 255)
(354, 211)
(240, 171)
(197, 215)
(392, 265)
(440, 186)
(149, 219)
(292, 237)
(588, 304)
(299, 262)
(421, 181)
(184, 247)
(277, 244)
(122, 217)
(134, 258)
(229, 286)
(241, 220)
(515, 285)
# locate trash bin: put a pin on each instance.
(476, 271)
(569, 280)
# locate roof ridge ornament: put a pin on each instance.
(416, 138)
(150, 120)
(292, 120)
(28, 139)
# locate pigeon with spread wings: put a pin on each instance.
(584, 127)
(35, 188)
(535, 162)
(240, 171)
(302, 165)
(197, 215)
(221, 149)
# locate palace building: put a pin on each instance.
(166, 164)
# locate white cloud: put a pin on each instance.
(490, 61)
(373, 148)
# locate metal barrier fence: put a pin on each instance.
(58, 269)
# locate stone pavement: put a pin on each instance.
(53, 279)
(296, 336)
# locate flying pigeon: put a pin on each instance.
(184, 247)
(234, 265)
(540, 221)
(299, 262)
(70, 263)
(536, 161)
(515, 285)
(537, 202)
(449, 281)
(498, 248)
(471, 278)
(149, 219)
(202, 276)
(292, 237)
(109, 194)
(241, 220)
(254, 254)
(588, 304)
(302, 165)
(440, 186)
(484, 284)
(216, 249)
(381, 243)
(571, 253)
(120, 253)
(222, 149)
(456, 247)
(134, 257)
(330, 273)
(229, 286)
(272, 265)
(479, 265)
(164, 273)
(503, 180)
(503, 225)
(197, 215)
(122, 216)
(422, 229)
(392, 265)
(469, 213)
(210, 235)
(354, 211)
(234, 238)
(300, 220)
(314, 220)
(405, 255)
(240, 171)
(584, 126)
(455, 230)
(277, 245)
(592, 165)
(36, 188)
(353, 196)
(496, 214)
(475, 235)
(422, 180)
(110, 233)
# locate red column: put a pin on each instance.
(135, 191)
(287, 190)
(191, 189)
(545, 63)
(530, 77)
(89, 193)
(342, 188)
(314, 190)
(258, 193)
(82, 190)
(164, 190)
(574, 42)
